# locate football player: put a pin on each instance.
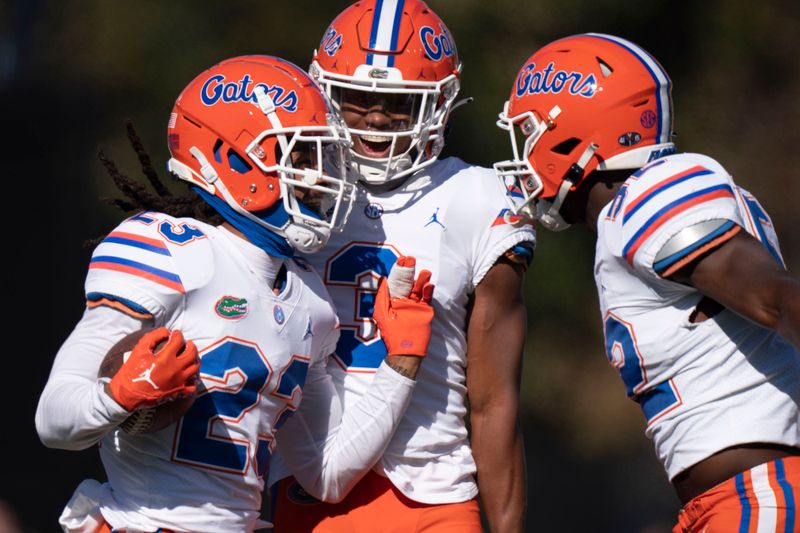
(701, 318)
(391, 69)
(249, 135)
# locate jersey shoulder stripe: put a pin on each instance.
(661, 187)
(138, 247)
(138, 241)
(135, 268)
(671, 210)
(98, 299)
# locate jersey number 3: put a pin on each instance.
(358, 267)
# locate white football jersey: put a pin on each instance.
(706, 386)
(205, 472)
(450, 218)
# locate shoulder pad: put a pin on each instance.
(151, 259)
(664, 201)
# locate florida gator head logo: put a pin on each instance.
(231, 307)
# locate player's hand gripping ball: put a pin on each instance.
(403, 309)
(154, 375)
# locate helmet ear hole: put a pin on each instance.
(566, 147)
(237, 163)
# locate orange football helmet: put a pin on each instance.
(254, 131)
(583, 103)
(401, 49)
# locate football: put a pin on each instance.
(150, 419)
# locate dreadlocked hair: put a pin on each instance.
(139, 198)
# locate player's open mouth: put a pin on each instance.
(374, 145)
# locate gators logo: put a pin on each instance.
(378, 74)
(231, 307)
(551, 80)
(436, 45)
(218, 89)
(331, 42)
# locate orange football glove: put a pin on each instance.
(149, 378)
(405, 322)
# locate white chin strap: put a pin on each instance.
(306, 239)
(373, 170)
(548, 212)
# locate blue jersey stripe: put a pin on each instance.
(788, 495)
(137, 265)
(643, 200)
(677, 256)
(138, 244)
(666, 208)
(744, 523)
(97, 296)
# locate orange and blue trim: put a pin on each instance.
(673, 263)
(766, 497)
(141, 270)
(514, 191)
(99, 299)
(669, 211)
(758, 500)
(137, 241)
(785, 489)
(662, 186)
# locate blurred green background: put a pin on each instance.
(72, 72)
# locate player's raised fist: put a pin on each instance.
(160, 367)
(403, 309)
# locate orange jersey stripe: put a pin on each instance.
(138, 273)
(119, 306)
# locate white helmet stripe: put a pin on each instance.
(662, 81)
(385, 28)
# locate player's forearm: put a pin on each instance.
(74, 411)
(499, 455)
(405, 365)
(496, 337)
(330, 463)
(74, 414)
(365, 432)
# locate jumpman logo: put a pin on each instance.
(308, 333)
(145, 376)
(434, 219)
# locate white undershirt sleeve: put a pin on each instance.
(328, 452)
(74, 411)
